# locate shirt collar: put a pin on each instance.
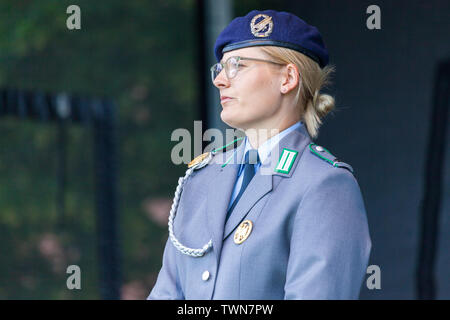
(265, 149)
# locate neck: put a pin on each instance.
(257, 136)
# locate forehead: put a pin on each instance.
(250, 52)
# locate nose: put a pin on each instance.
(221, 81)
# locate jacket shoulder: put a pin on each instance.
(317, 165)
(321, 172)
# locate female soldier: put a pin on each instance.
(276, 217)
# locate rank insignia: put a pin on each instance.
(286, 161)
(243, 231)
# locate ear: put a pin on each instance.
(290, 78)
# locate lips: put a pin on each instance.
(224, 99)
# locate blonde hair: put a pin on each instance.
(313, 105)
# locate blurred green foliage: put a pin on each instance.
(143, 55)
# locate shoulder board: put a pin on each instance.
(326, 155)
(198, 159)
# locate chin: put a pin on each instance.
(229, 119)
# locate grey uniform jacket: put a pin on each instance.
(310, 237)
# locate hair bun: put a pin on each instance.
(323, 103)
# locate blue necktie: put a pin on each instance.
(251, 158)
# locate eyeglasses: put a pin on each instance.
(232, 65)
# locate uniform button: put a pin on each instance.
(319, 148)
(205, 275)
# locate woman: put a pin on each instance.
(276, 217)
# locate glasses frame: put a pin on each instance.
(224, 65)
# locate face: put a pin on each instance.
(252, 98)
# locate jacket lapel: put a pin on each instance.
(219, 193)
(263, 181)
(297, 141)
(257, 188)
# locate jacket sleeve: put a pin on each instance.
(330, 243)
(167, 286)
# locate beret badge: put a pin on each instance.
(261, 25)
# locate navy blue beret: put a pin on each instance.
(272, 28)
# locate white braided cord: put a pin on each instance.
(180, 247)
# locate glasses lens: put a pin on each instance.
(232, 67)
(215, 70)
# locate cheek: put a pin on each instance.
(261, 95)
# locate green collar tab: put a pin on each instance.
(286, 161)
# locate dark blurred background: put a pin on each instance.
(149, 58)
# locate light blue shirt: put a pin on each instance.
(263, 153)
